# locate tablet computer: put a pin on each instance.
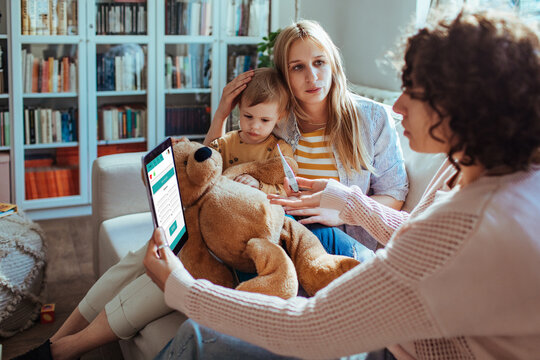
(164, 194)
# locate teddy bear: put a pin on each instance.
(233, 226)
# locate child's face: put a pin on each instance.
(257, 122)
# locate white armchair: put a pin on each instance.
(122, 222)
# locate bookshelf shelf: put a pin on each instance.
(120, 93)
(50, 39)
(4, 96)
(188, 39)
(121, 141)
(121, 39)
(50, 95)
(3, 36)
(51, 145)
(194, 136)
(188, 91)
(3, 148)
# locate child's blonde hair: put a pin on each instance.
(267, 86)
(344, 126)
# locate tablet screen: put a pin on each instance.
(165, 194)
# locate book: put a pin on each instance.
(7, 209)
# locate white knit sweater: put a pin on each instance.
(461, 272)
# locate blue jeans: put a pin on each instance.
(194, 341)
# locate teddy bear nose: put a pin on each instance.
(202, 154)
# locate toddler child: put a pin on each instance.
(263, 103)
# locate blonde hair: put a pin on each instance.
(265, 86)
(344, 126)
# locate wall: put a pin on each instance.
(364, 30)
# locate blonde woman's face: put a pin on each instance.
(310, 73)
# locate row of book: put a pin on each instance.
(189, 71)
(187, 120)
(121, 122)
(43, 126)
(247, 17)
(52, 181)
(49, 17)
(237, 64)
(121, 19)
(49, 75)
(5, 130)
(188, 17)
(123, 72)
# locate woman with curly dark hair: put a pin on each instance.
(459, 277)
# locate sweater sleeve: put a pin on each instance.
(368, 308)
(356, 208)
(378, 303)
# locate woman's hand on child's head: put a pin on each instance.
(247, 180)
(160, 261)
(230, 94)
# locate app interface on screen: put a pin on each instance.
(166, 196)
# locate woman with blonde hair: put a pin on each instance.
(334, 133)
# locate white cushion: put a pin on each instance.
(121, 234)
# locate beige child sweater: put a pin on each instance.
(458, 279)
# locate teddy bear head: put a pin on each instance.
(198, 167)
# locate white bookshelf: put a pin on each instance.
(42, 46)
(155, 95)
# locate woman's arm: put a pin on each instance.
(368, 308)
(229, 99)
(388, 201)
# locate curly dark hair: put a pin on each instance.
(481, 71)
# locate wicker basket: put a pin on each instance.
(22, 273)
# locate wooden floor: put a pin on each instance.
(69, 276)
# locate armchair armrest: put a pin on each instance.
(117, 189)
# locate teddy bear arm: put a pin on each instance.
(276, 273)
(315, 267)
(269, 171)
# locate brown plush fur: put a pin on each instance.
(239, 226)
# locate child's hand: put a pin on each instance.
(247, 180)
(229, 96)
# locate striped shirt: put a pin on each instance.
(315, 157)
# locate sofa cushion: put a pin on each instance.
(121, 234)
